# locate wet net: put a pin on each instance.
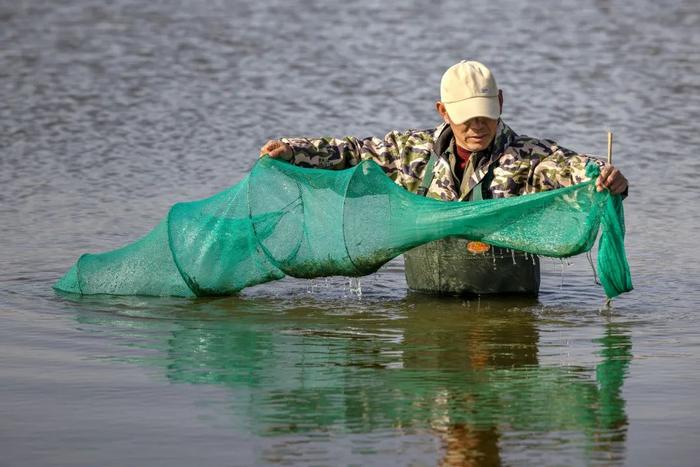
(287, 220)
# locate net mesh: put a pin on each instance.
(287, 220)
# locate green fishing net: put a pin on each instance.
(287, 220)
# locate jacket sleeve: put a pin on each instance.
(396, 153)
(532, 165)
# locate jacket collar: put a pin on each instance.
(485, 160)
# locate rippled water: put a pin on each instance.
(111, 112)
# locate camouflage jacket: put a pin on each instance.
(519, 164)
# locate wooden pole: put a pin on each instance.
(608, 301)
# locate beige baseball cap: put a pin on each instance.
(468, 89)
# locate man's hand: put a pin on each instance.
(276, 148)
(612, 179)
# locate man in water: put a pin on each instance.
(472, 155)
(475, 154)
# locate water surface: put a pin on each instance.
(112, 112)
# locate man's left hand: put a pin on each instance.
(612, 179)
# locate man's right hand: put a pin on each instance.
(278, 149)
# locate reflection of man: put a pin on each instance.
(468, 349)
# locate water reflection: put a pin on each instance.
(466, 372)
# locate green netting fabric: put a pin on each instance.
(287, 220)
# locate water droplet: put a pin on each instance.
(355, 287)
(561, 261)
(595, 273)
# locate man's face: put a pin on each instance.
(475, 134)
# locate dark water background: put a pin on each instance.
(112, 111)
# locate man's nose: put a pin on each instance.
(476, 123)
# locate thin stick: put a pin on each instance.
(608, 301)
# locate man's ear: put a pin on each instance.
(500, 100)
(440, 107)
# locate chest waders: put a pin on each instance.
(447, 267)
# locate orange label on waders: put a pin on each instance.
(477, 247)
